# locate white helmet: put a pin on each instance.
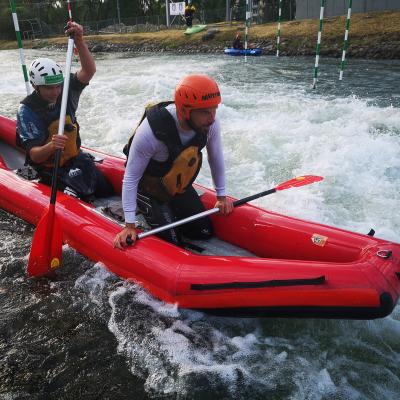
(44, 71)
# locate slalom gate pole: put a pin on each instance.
(21, 50)
(317, 51)
(278, 35)
(69, 9)
(248, 16)
(346, 40)
(71, 19)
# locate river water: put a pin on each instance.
(88, 334)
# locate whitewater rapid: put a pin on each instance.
(274, 127)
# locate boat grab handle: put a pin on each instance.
(320, 280)
(384, 253)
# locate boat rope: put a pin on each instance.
(317, 51)
(346, 40)
(320, 280)
(21, 50)
(278, 35)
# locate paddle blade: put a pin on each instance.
(299, 181)
(46, 250)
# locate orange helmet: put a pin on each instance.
(194, 92)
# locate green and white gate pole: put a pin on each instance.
(278, 36)
(248, 19)
(317, 51)
(21, 50)
(346, 40)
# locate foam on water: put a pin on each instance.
(274, 128)
(183, 352)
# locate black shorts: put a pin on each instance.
(180, 206)
(81, 176)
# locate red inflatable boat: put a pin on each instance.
(276, 265)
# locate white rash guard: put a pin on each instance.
(145, 146)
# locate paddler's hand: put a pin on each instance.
(40, 154)
(224, 204)
(58, 142)
(75, 30)
(126, 237)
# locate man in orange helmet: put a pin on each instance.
(164, 158)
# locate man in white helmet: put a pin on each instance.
(37, 123)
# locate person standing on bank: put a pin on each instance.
(37, 124)
(190, 9)
(164, 158)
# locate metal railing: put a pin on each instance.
(128, 25)
(30, 28)
(155, 22)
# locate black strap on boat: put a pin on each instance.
(320, 280)
(192, 246)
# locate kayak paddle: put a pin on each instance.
(295, 182)
(46, 250)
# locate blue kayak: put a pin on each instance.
(243, 52)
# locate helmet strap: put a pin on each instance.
(189, 122)
(37, 90)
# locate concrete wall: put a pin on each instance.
(310, 8)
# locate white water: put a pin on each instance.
(274, 128)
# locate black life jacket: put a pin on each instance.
(163, 180)
(71, 129)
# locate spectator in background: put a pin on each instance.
(190, 9)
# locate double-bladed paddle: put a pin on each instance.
(46, 250)
(295, 182)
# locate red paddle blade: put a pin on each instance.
(299, 181)
(46, 250)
